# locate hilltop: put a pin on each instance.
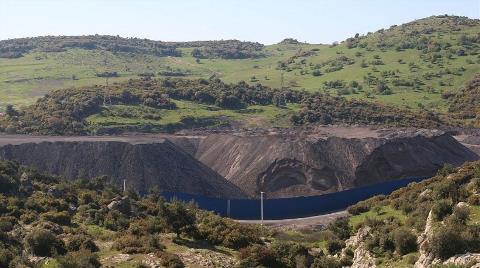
(411, 65)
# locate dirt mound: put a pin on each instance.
(313, 165)
(281, 163)
(159, 164)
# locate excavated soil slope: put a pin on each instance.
(312, 164)
(142, 164)
(281, 164)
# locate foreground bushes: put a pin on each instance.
(132, 244)
(225, 232)
(44, 243)
(64, 218)
(79, 259)
(447, 196)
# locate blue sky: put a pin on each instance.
(265, 21)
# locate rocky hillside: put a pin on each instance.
(144, 165)
(435, 222)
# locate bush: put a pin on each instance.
(257, 255)
(459, 216)
(62, 218)
(405, 241)
(230, 102)
(446, 170)
(291, 254)
(179, 217)
(341, 228)
(334, 246)
(81, 242)
(7, 223)
(358, 208)
(131, 244)
(44, 243)
(441, 209)
(79, 259)
(446, 242)
(6, 256)
(326, 262)
(225, 232)
(170, 260)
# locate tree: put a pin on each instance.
(196, 53)
(441, 209)
(179, 217)
(334, 246)
(341, 228)
(382, 88)
(44, 243)
(405, 241)
(10, 111)
(77, 259)
(230, 102)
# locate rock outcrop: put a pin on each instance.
(362, 258)
(464, 259)
(426, 258)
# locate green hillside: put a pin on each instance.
(409, 65)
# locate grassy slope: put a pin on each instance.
(253, 116)
(22, 80)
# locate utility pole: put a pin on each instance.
(261, 207)
(228, 208)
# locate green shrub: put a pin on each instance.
(81, 242)
(341, 228)
(326, 262)
(62, 218)
(131, 244)
(446, 170)
(257, 255)
(221, 231)
(6, 256)
(334, 246)
(115, 221)
(179, 217)
(446, 242)
(7, 223)
(28, 217)
(460, 216)
(170, 260)
(43, 243)
(358, 208)
(290, 254)
(441, 209)
(79, 259)
(9, 177)
(405, 241)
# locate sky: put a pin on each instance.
(264, 21)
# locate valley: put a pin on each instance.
(133, 152)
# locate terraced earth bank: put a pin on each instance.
(314, 162)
